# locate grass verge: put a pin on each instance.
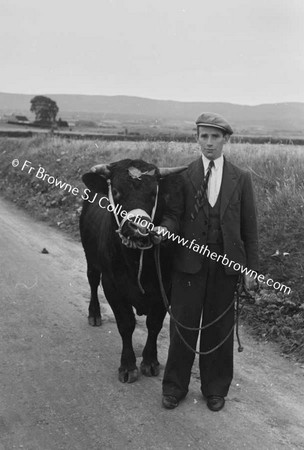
(278, 176)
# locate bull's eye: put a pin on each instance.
(116, 193)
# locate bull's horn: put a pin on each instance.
(170, 170)
(101, 169)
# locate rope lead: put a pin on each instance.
(178, 324)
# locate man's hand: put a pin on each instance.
(249, 283)
(161, 234)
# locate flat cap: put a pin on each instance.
(209, 119)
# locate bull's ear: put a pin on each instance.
(102, 169)
(95, 182)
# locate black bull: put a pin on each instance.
(113, 250)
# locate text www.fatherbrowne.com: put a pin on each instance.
(204, 250)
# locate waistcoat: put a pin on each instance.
(214, 234)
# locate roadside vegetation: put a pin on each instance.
(278, 176)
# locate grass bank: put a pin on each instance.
(278, 175)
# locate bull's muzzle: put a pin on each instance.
(137, 232)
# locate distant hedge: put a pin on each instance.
(166, 137)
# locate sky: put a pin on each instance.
(238, 51)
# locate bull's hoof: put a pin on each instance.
(94, 321)
(150, 369)
(127, 376)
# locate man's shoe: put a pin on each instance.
(169, 401)
(215, 402)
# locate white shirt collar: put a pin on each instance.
(218, 162)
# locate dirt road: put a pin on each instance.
(58, 376)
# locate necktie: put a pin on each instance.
(202, 191)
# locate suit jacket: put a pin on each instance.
(238, 219)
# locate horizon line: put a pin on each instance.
(153, 99)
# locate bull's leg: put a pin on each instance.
(125, 320)
(128, 371)
(150, 365)
(94, 307)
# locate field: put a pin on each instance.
(278, 176)
(143, 130)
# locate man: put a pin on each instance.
(220, 215)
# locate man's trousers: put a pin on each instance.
(206, 293)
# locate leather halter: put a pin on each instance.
(145, 217)
(120, 225)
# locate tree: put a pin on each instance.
(44, 108)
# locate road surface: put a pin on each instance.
(58, 376)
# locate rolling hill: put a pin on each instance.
(284, 117)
